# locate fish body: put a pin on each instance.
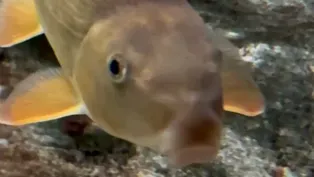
(145, 71)
(21, 16)
(283, 172)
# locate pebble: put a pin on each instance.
(4, 142)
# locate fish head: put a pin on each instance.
(151, 76)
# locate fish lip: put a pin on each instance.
(182, 145)
(192, 155)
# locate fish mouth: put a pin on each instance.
(190, 155)
(193, 139)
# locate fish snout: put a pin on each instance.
(194, 137)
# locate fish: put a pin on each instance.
(236, 74)
(144, 71)
(282, 171)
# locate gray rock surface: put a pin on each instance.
(276, 35)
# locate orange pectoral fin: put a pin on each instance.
(241, 95)
(240, 92)
(250, 106)
(18, 22)
(43, 96)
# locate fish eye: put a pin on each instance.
(117, 68)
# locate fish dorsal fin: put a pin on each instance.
(241, 93)
(18, 22)
(42, 96)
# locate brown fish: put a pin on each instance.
(283, 172)
(143, 70)
(236, 74)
